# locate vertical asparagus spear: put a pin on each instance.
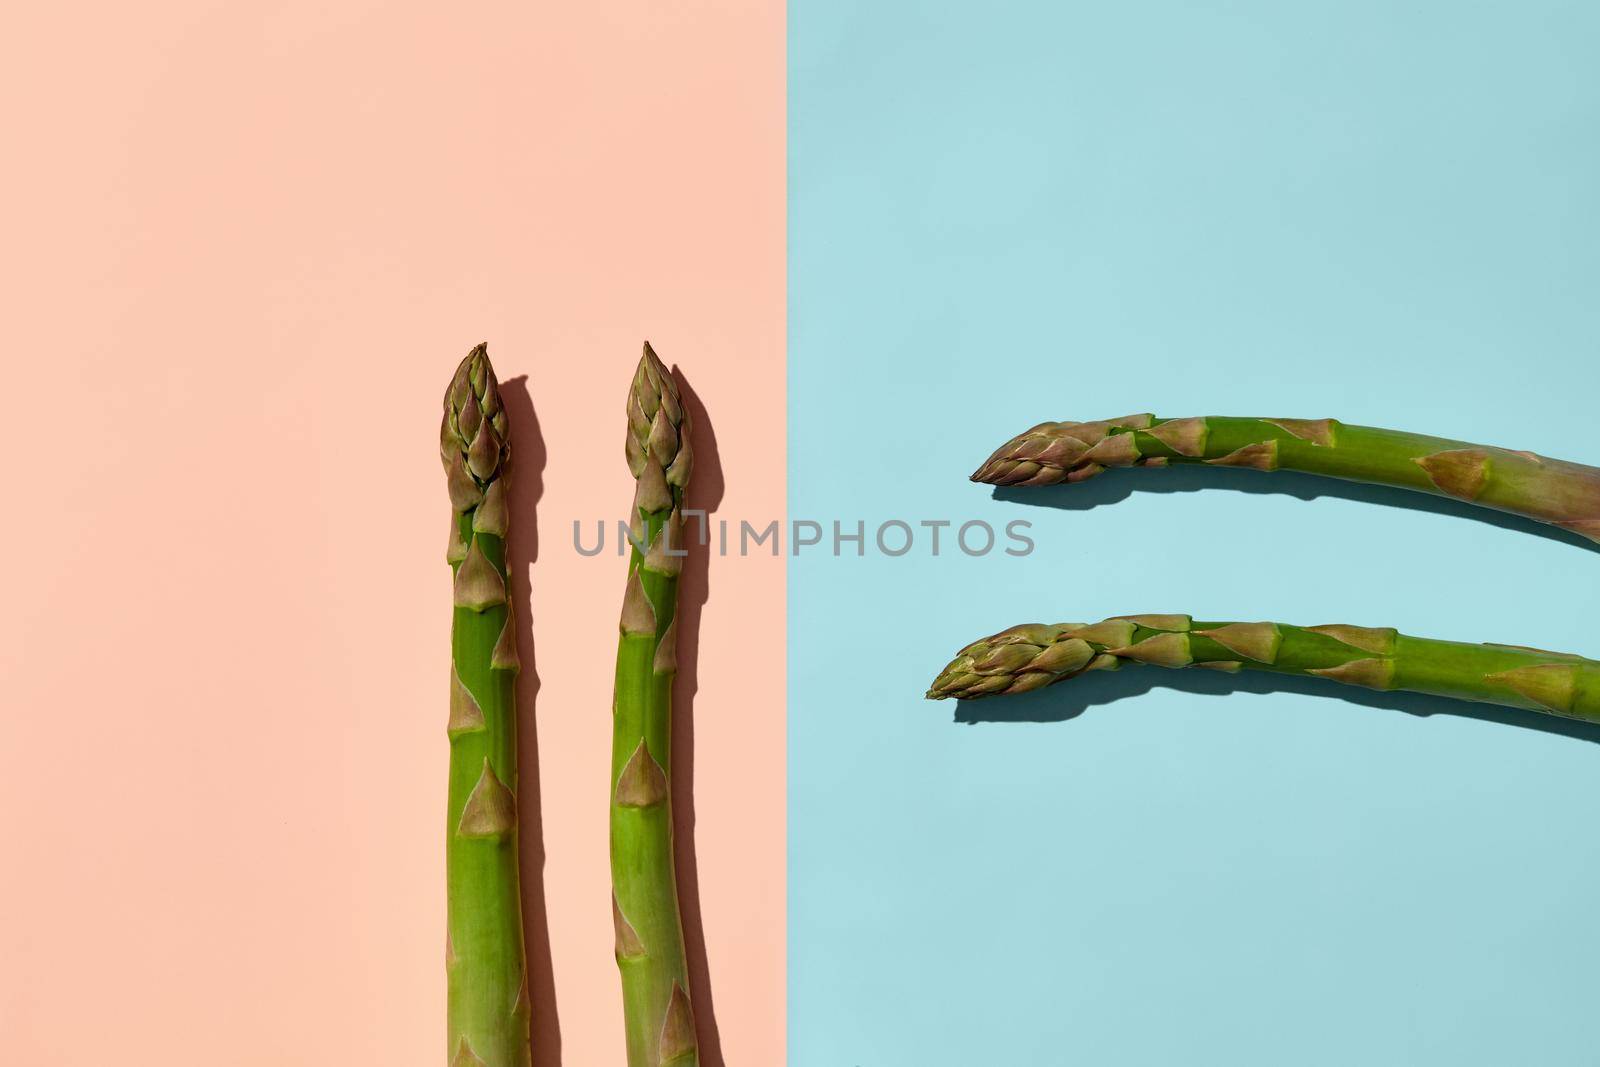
(644, 899)
(1033, 656)
(484, 960)
(1549, 490)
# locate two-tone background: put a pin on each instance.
(245, 247)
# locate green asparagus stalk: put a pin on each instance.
(644, 899)
(1548, 490)
(1036, 655)
(484, 957)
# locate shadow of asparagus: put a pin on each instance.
(1116, 485)
(694, 589)
(522, 549)
(1069, 699)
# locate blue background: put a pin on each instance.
(1001, 213)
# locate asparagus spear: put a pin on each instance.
(1034, 655)
(484, 962)
(644, 899)
(1549, 490)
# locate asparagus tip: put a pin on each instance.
(1018, 660)
(658, 426)
(993, 469)
(474, 441)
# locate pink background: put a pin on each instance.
(247, 245)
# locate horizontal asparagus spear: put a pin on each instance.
(1032, 656)
(1549, 490)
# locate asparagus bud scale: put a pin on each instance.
(1549, 490)
(488, 1023)
(650, 953)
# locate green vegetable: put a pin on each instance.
(1549, 490)
(487, 977)
(1036, 655)
(644, 901)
